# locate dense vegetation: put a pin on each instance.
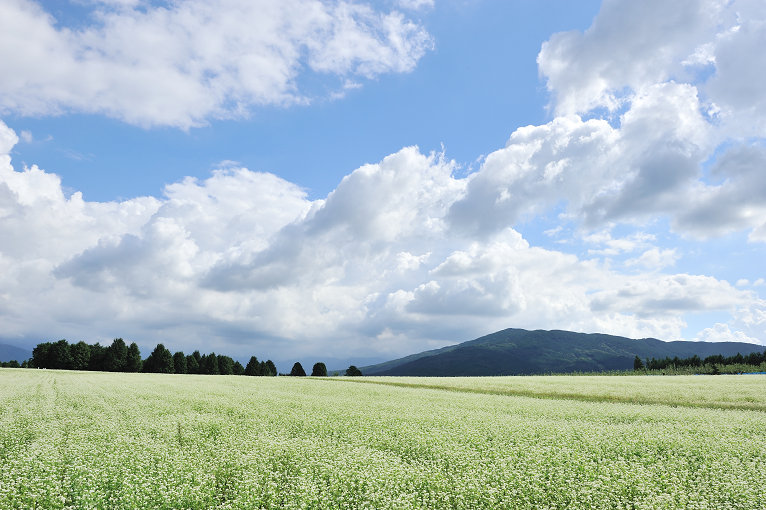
(119, 440)
(522, 352)
(119, 357)
(715, 364)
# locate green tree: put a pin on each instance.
(238, 368)
(133, 358)
(179, 363)
(319, 370)
(297, 370)
(41, 355)
(209, 364)
(353, 371)
(225, 365)
(192, 365)
(60, 356)
(80, 354)
(253, 367)
(269, 368)
(116, 356)
(638, 364)
(97, 360)
(159, 361)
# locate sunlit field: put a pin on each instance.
(100, 440)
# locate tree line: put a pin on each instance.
(120, 357)
(711, 364)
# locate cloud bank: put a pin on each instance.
(655, 117)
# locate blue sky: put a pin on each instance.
(361, 180)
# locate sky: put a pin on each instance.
(352, 181)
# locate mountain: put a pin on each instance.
(11, 352)
(518, 351)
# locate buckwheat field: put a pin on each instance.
(100, 440)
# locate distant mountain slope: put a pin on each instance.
(11, 352)
(518, 351)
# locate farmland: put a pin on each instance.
(94, 440)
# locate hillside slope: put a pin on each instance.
(11, 352)
(518, 351)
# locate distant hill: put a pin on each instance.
(520, 352)
(11, 352)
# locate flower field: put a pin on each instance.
(109, 440)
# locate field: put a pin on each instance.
(99, 440)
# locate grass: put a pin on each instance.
(98, 440)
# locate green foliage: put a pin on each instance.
(121, 358)
(80, 354)
(116, 356)
(253, 367)
(209, 364)
(353, 371)
(133, 361)
(638, 364)
(97, 361)
(225, 365)
(269, 368)
(297, 370)
(179, 363)
(319, 370)
(159, 361)
(192, 365)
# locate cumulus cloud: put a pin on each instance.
(185, 63)
(403, 254)
(243, 262)
(658, 113)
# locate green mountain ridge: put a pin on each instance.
(523, 352)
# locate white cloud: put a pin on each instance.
(722, 333)
(655, 259)
(401, 249)
(416, 4)
(681, 83)
(243, 262)
(188, 62)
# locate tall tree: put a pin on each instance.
(133, 360)
(238, 368)
(116, 356)
(209, 364)
(159, 361)
(179, 363)
(297, 370)
(319, 370)
(253, 367)
(225, 365)
(80, 354)
(192, 365)
(60, 356)
(197, 362)
(41, 355)
(638, 364)
(97, 360)
(269, 368)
